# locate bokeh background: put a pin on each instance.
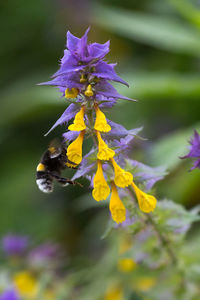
(157, 47)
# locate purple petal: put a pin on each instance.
(70, 135)
(69, 63)
(106, 89)
(15, 244)
(10, 294)
(106, 71)
(97, 50)
(68, 114)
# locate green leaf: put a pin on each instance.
(162, 32)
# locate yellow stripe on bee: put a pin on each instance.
(40, 167)
(52, 149)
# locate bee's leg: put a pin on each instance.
(65, 181)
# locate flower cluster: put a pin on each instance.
(83, 78)
(194, 150)
(29, 265)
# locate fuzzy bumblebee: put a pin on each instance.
(53, 161)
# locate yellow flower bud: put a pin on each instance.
(101, 189)
(79, 123)
(74, 150)
(101, 123)
(104, 153)
(89, 91)
(83, 78)
(122, 178)
(25, 284)
(116, 206)
(71, 93)
(147, 203)
(126, 265)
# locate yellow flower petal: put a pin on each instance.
(74, 150)
(89, 92)
(116, 206)
(104, 153)
(26, 284)
(101, 189)
(79, 123)
(101, 123)
(71, 93)
(144, 284)
(122, 178)
(147, 203)
(126, 265)
(114, 293)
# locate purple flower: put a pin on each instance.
(194, 150)
(9, 295)
(44, 254)
(15, 244)
(83, 59)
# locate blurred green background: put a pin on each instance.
(157, 47)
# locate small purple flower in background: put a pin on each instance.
(44, 254)
(10, 294)
(194, 150)
(15, 245)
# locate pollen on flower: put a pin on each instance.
(79, 123)
(117, 208)
(101, 123)
(89, 91)
(101, 189)
(104, 152)
(147, 203)
(74, 150)
(71, 93)
(122, 178)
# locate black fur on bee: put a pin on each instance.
(53, 161)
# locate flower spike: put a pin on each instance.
(104, 153)
(78, 124)
(101, 189)
(101, 123)
(147, 203)
(116, 206)
(122, 178)
(74, 150)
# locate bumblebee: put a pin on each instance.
(53, 161)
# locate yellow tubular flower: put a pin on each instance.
(122, 178)
(89, 92)
(126, 265)
(104, 153)
(101, 189)
(79, 123)
(71, 93)
(147, 203)
(101, 123)
(116, 206)
(26, 284)
(74, 150)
